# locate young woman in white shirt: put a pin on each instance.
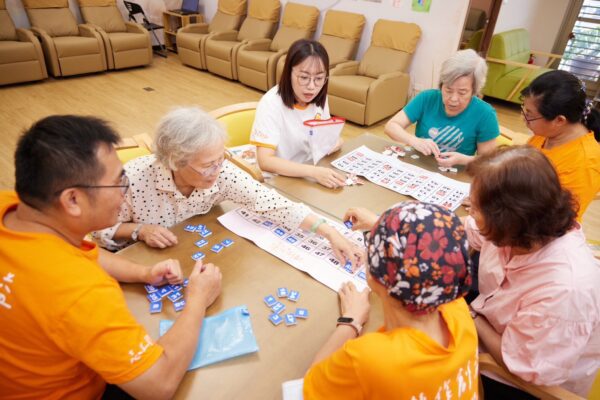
(283, 141)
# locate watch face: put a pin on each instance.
(345, 319)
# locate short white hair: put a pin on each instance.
(182, 133)
(465, 63)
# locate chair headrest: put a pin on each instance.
(265, 10)
(396, 35)
(300, 16)
(233, 7)
(345, 25)
(30, 4)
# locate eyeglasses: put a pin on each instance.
(304, 80)
(123, 184)
(526, 118)
(211, 169)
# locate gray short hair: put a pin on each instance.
(465, 63)
(182, 133)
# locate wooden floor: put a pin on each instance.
(134, 100)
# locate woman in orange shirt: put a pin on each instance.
(566, 129)
(427, 348)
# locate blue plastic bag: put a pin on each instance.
(223, 336)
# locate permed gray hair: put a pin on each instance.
(182, 133)
(465, 63)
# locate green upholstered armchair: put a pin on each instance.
(509, 71)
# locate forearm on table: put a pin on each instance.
(285, 167)
(122, 269)
(125, 230)
(340, 335)
(398, 133)
(323, 229)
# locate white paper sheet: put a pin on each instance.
(303, 250)
(292, 390)
(404, 178)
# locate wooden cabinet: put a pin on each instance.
(172, 21)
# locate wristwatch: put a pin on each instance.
(136, 232)
(350, 322)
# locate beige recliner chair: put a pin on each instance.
(376, 87)
(222, 48)
(21, 56)
(340, 37)
(191, 39)
(69, 49)
(127, 44)
(257, 59)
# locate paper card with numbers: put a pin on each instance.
(303, 250)
(404, 178)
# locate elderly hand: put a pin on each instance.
(361, 218)
(426, 146)
(328, 177)
(354, 304)
(204, 284)
(345, 250)
(157, 236)
(450, 158)
(167, 271)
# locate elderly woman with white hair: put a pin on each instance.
(187, 176)
(453, 123)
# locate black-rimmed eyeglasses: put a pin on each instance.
(528, 119)
(123, 184)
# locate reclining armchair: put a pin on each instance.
(69, 49)
(127, 44)
(222, 48)
(191, 39)
(21, 56)
(376, 87)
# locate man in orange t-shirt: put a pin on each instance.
(65, 329)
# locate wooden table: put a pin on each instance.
(249, 274)
(371, 196)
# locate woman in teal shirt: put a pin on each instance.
(452, 122)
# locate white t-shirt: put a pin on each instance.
(278, 127)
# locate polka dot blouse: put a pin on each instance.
(153, 198)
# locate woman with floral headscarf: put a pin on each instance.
(427, 348)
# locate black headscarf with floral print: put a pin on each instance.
(419, 251)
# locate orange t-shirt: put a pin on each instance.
(403, 363)
(64, 325)
(578, 166)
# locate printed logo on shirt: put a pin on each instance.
(259, 134)
(144, 345)
(449, 138)
(464, 386)
(5, 287)
(318, 116)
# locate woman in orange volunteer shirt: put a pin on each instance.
(566, 129)
(427, 348)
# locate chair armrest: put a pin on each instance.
(487, 363)
(512, 63)
(345, 68)
(25, 35)
(88, 30)
(133, 27)
(225, 35)
(252, 170)
(39, 32)
(257, 45)
(390, 75)
(200, 27)
(543, 53)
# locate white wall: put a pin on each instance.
(542, 18)
(441, 29)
